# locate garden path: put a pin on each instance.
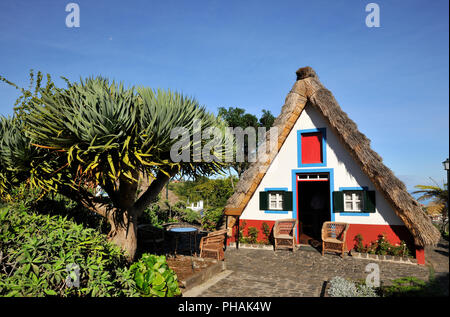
(265, 273)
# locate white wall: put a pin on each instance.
(347, 173)
(197, 206)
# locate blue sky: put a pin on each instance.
(392, 81)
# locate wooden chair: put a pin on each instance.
(213, 243)
(333, 237)
(283, 234)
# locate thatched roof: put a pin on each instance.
(309, 90)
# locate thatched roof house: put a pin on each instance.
(327, 118)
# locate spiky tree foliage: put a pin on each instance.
(18, 158)
(101, 133)
(437, 197)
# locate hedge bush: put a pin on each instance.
(381, 246)
(154, 278)
(39, 252)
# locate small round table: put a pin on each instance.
(191, 231)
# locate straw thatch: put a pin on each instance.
(309, 90)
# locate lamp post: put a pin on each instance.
(446, 164)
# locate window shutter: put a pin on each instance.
(369, 200)
(287, 200)
(338, 201)
(263, 200)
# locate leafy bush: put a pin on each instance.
(404, 286)
(38, 252)
(155, 216)
(411, 286)
(266, 231)
(213, 191)
(190, 216)
(445, 235)
(154, 278)
(211, 218)
(341, 287)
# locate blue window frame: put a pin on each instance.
(276, 189)
(323, 132)
(364, 214)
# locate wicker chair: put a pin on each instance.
(213, 243)
(333, 237)
(283, 234)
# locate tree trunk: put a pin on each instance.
(122, 209)
(124, 234)
(124, 228)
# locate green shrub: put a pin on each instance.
(381, 246)
(266, 231)
(211, 218)
(39, 251)
(154, 216)
(242, 226)
(154, 278)
(405, 286)
(252, 234)
(190, 216)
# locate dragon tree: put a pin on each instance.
(96, 133)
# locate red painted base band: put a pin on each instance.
(394, 234)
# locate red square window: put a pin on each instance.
(311, 148)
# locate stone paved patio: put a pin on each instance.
(265, 273)
(437, 258)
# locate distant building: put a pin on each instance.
(196, 206)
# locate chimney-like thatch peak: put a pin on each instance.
(305, 72)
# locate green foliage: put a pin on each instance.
(155, 215)
(252, 234)
(438, 201)
(435, 193)
(445, 235)
(242, 226)
(267, 119)
(214, 192)
(381, 246)
(411, 286)
(404, 286)
(190, 216)
(16, 157)
(266, 231)
(154, 278)
(96, 132)
(236, 117)
(107, 131)
(37, 249)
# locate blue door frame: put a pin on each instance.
(330, 171)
